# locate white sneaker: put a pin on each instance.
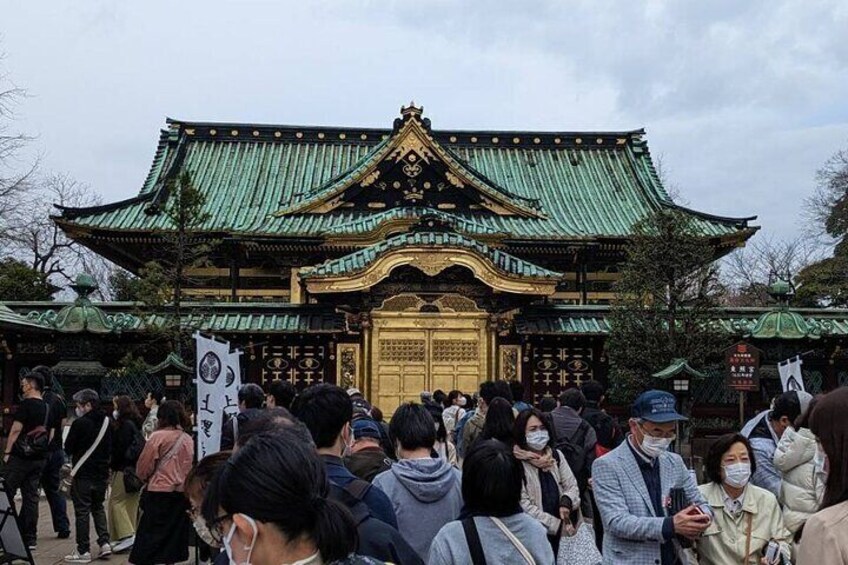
(105, 551)
(123, 545)
(77, 557)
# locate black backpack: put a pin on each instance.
(574, 450)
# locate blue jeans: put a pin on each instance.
(50, 478)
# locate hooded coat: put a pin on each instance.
(802, 489)
(426, 495)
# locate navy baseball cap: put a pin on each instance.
(656, 406)
(365, 427)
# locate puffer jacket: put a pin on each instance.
(802, 487)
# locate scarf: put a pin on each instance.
(544, 461)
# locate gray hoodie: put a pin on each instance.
(426, 495)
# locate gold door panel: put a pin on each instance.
(413, 351)
(401, 365)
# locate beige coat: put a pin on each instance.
(723, 543)
(802, 488)
(531, 493)
(825, 539)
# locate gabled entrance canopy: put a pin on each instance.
(411, 168)
(432, 253)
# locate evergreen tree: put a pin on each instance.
(184, 247)
(19, 281)
(666, 300)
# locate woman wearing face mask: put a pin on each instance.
(164, 528)
(454, 412)
(550, 493)
(197, 481)
(269, 506)
(746, 517)
(127, 444)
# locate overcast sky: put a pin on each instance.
(743, 100)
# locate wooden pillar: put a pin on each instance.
(234, 273)
(297, 295)
(367, 362)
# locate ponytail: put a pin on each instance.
(335, 530)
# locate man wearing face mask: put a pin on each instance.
(632, 486)
(23, 467)
(764, 432)
(327, 411)
(89, 430)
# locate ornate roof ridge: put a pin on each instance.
(246, 129)
(360, 259)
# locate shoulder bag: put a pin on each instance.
(37, 441)
(167, 457)
(528, 558)
(68, 472)
(472, 538)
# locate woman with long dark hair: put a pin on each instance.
(500, 420)
(163, 531)
(127, 444)
(824, 538)
(492, 527)
(550, 492)
(270, 505)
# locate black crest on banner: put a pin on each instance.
(210, 368)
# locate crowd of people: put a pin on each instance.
(319, 477)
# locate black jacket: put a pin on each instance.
(122, 438)
(376, 538)
(228, 433)
(81, 436)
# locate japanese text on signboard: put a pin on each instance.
(742, 366)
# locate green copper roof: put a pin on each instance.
(82, 315)
(360, 259)
(12, 320)
(587, 185)
(781, 323)
(372, 222)
(678, 367)
(171, 361)
(591, 320)
(212, 317)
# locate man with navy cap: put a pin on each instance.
(366, 458)
(633, 485)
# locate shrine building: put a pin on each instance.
(395, 260)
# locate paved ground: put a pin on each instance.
(51, 550)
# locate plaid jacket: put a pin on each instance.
(632, 529)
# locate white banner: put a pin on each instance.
(216, 391)
(232, 383)
(790, 374)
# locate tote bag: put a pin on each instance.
(579, 549)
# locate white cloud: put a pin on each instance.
(743, 99)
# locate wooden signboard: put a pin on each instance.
(742, 367)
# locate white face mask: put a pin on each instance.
(737, 475)
(462, 401)
(654, 446)
(538, 440)
(79, 412)
(228, 541)
(115, 414)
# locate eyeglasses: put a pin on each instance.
(672, 435)
(216, 528)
